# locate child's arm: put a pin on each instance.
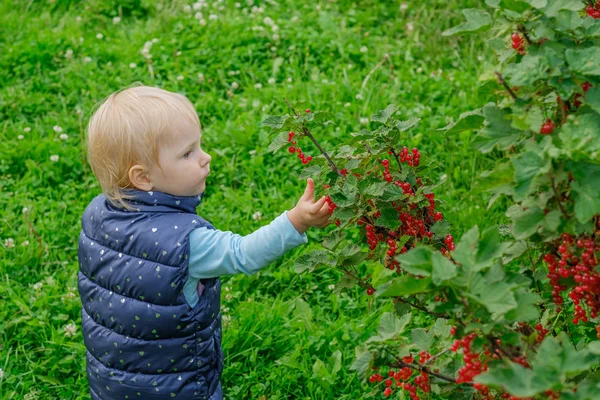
(214, 253)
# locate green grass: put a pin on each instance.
(55, 66)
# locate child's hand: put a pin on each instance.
(309, 213)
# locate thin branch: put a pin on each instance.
(402, 364)
(558, 197)
(419, 307)
(524, 32)
(503, 82)
(432, 359)
(307, 133)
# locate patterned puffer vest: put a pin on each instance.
(143, 340)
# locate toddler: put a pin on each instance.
(149, 265)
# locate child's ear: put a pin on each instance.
(140, 178)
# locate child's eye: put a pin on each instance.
(187, 155)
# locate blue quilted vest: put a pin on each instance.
(143, 340)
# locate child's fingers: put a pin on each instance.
(309, 191)
(315, 208)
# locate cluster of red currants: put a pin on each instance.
(372, 237)
(293, 149)
(577, 261)
(473, 365)
(517, 43)
(399, 378)
(541, 332)
(593, 12)
(413, 159)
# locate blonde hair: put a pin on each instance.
(127, 129)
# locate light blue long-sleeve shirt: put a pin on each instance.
(214, 253)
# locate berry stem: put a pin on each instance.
(557, 197)
(432, 359)
(503, 82)
(522, 29)
(419, 307)
(307, 133)
(402, 364)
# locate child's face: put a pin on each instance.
(185, 165)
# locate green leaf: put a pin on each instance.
(363, 361)
(404, 286)
(515, 250)
(311, 261)
(529, 70)
(468, 121)
(514, 379)
(280, 141)
(526, 309)
(526, 222)
(497, 297)
(390, 326)
(389, 217)
(497, 131)
(581, 135)
(376, 189)
(584, 61)
(310, 172)
(477, 21)
(557, 361)
(421, 338)
(333, 240)
(403, 126)
(442, 268)
(467, 248)
(555, 6)
(593, 98)
(416, 261)
(383, 115)
(527, 167)
(302, 310)
(275, 121)
(441, 228)
(587, 201)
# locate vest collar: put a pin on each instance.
(159, 201)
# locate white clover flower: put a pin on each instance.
(201, 76)
(268, 21)
(25, 210)
(295, 19)
(226, 319)
(70, 330)
(403, 6)
(25, 243)
(252, 152)
(70, 295)
(87, 59)
(198, 15)
(364, 49)
(276, 37)
(180, 77)
(57, 129)
(289, 79)
(364, 121)
(213, 17)
(235, 85)
(227, 289)
(350, 66)
(347, 105)
(27, 129)
(64, 136)
(31, 395)
(54, 158)
(132, 65)
(331, 287)
(9, 243)
(187, 8)
(250, 300)
(419, 70)
(203, 22)
(69, 53)
(258, 86)
(292, 48)
(257, 216)
(273, 48)
(238, 5)
(155, 40)
(1, 373)
(20, 137)
(38, 286)
(275, 28)
(228, 297)
(271, 81)
(410, 27)
(197, 5)
(116, 20)
(99, 36)
(78, 18)
(359, 96)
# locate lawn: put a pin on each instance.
(235, 61)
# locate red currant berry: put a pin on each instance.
(370, 291)
(547, 128)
